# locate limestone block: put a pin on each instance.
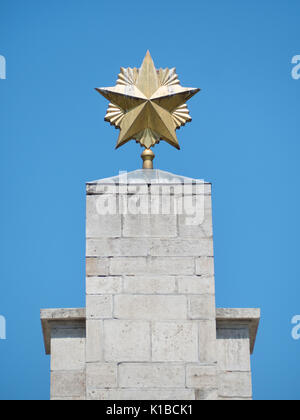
(197, 285)
(67, 384)
(152, 266)
(101, 375)
(135, 203)
(195, 219)
(103, 285)
(127, 341)
(128, 266)
(235, 384)
(138, 394)
(207, 342)
(195, 228)
(175, 341)
(181, 247)
(151, 375)
(205, 266)
(192, 207)
(99, 306)
(150, 307)
(158, 226)
(207, 394)
(202, 307)
(201, 377)
(149, 284)
(171, 265)
(94, 340)
(233, 348)
(117, 247)
(102, 221)
(97, 266)
(67, 349)
(164, 204)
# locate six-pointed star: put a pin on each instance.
(148, 105)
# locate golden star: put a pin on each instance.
(148, 105)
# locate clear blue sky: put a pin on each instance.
(244, 139)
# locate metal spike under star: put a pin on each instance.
(148, 105)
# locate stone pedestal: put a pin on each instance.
(150, 329)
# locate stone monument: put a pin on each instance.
(150, 329)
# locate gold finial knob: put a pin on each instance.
(147, 157)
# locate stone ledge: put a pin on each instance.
(66, 317)
(226, 317)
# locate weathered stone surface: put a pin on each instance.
(60, 318)
(201, 377)
(235, 314)
(150, 307)
(202, 307)
(191, 206)
(128, 266)
(67, 349)
(165, 204)
(99, 224)
(94, 341)
(245, 316)
(207, 342)
(181, 248)
(149, 284)
(97, 266)
(205, 266)
(198, 285)
(199, 229)
(68, 384)
(127, 341)
(147, 226)
(152, 266)
(101, 375)
(233, 349)
(207, 394)
(103, 285)
(151, 375)
(99, 306)
(175, 342)
(235, 384)
(143, 394)
(118, 247)
(59, 314)
(135, 203)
